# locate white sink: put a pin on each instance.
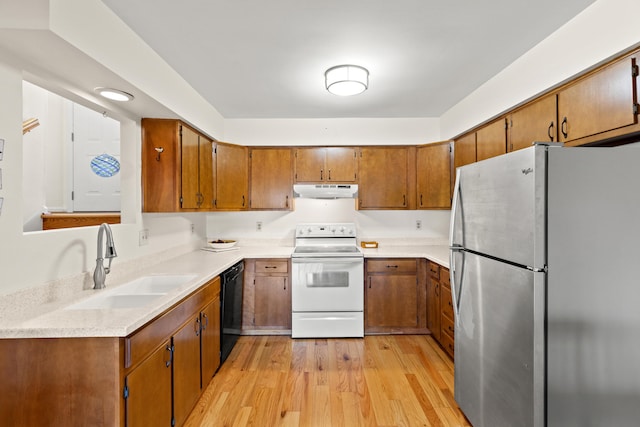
(137, 293)
(156, 284)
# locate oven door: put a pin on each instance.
(327, 284)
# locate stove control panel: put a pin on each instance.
(345, 229)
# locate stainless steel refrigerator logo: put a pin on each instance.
(527, 171)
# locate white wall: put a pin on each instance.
(371, 224)
(600, 31)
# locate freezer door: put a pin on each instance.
(499, 342)
(499, 207)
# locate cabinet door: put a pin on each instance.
(383, 178)
(464, 151)
(598, 103)
(210, 320)
(186, 369)
(341, 164)
(190, 194)
(271, 183)
(232, 177)
(434, 176)
(205, 172)
(392, 301)
(433, 301)
(534, 122)
(310, 164)
(160, 170)
(149, 385)
(491, 140)
(272, 302)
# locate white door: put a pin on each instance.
(96, 161)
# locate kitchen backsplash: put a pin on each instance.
(279, 225)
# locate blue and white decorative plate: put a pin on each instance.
(105, 165)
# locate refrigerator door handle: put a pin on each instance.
(456, 206)
(456, 277)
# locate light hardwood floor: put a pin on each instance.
(384, 380)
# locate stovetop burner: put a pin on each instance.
(336, 239)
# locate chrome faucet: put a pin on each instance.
(100, 273)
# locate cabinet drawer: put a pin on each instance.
(392, 265)
(444, 277)
(146, 339)
(446, 304)
(446, 325)
(447, 344)
(434, 270)
(272, 266)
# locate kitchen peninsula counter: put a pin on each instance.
(41, 312)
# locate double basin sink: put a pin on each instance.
(137, 293)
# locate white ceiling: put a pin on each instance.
(266, 59)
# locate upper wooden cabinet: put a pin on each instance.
(491, 140)
(387, 177)
(464, 150)
(534, 122)
(271, 178)
(433, 170)
(177, 167)
(231, 177)
(602, 101)
(326, 164)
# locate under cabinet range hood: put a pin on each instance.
(325, 191)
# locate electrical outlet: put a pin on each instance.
(418, 224)
(193, 228)
(259, 225)
(143, 238)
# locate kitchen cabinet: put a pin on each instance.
(387, 177)
(326, 164)
(491, 140)
(440, 307)
(210, 321)
(143, 379)
(433, 299)
(433, 169)
(271, 179)
(395, 295)
(464, 151)
(536, 121)
(231, 177)
(177, 167)
(267, 295)
(602, 101)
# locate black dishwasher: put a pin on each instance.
(231, 310)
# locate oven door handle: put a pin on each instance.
(341, 260)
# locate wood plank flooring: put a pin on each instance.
(383, 380)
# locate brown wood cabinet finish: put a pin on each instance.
(267, 296)
(491, 140)
(535, 122)
(599, 102)
(464, 151)
(433, 170)
(440, 307)
(210, 321)
(231, 177)
(395, 295)
(433, 299)
(326, 164)
(387, 177)
(196, 170)
(271, 179)
(186, 368)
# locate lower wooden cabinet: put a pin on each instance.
(395, 295)
(440, 307)
(267, 295)
(152, 377)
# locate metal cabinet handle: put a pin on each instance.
(197, 326)
(369, 282)
(437, 291)
(563, 127)
(392, 266)
(243, 200)
(404, 200)
(270, 266)
(169, 348)
(551, 126)
(420, 199)
(329, 178)
(286, 202)
(285, 283)
(321, 174)
(206, 321)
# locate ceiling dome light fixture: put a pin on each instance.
(114, 94)
(346, 80)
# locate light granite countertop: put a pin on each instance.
(42, 312)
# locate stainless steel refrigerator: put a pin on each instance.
(545, 264)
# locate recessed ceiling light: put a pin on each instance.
(114, 94)
(346, 80)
